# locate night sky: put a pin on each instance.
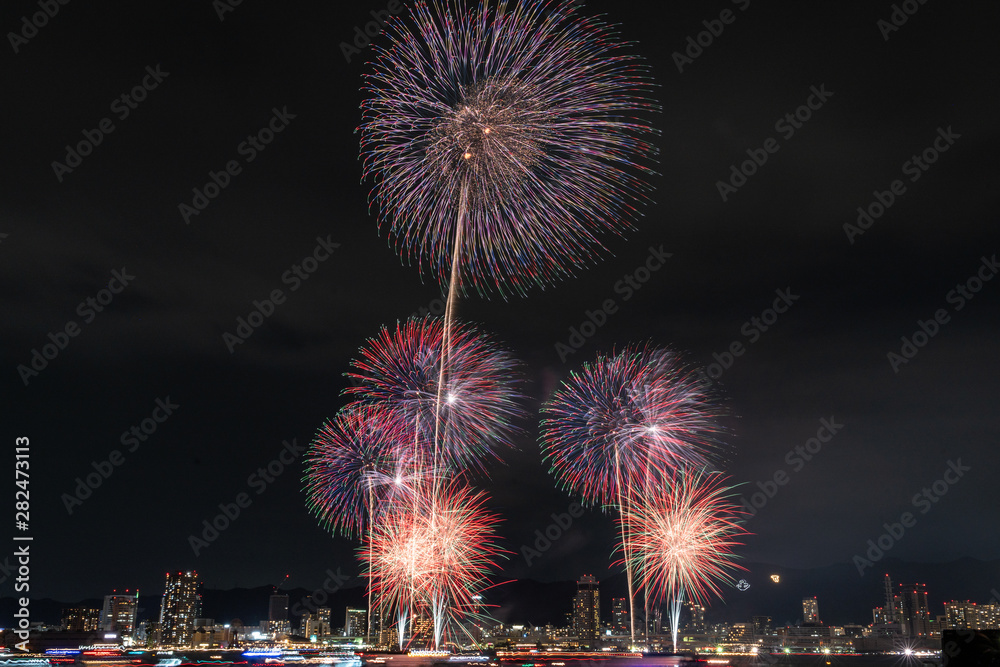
(211, 83)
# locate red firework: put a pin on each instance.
(681, 539)
(434, 553)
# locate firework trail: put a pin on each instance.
(399, 372)
(356, 464)
(434, 560)
(623, 426)
(682, 539)
(503, 140)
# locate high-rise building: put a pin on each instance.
(356, 622)
(879, 616)
(181, 605)
(323, 621)
(307, 625)
(316, 623)
(961, 615)
(79, 619)
(761, 626)
(620, 623)
(587, 611)
(277, 608)
(695, 617)
(911, 610)
(810, 611)
(277, 614)
(119, 612)
(890, 601)
(740, 632)
(989, 616)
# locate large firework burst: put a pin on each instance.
(464, 418)
(627, 421)
(356, 463)
(681, 539)
(433, 556)
(505, 140)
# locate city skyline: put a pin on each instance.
(586, 629)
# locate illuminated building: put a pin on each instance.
(761, 626)
(316, 624)
(422, 629)
(207, 634)
(181, 605)
(323, 619)
(356, 622)
(79, 619)
(277, 614)
(890, 601)
(911, 610)
(810, 611)
(587, 611)
(119, 612)
(969, 615)
(620, 624)
(740, 633)
(879, 616)
(696, 617)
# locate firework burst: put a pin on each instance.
(681, 539)
(505, 140)
(355, 464)
(399, 372)
(628, 421)
(434, 555)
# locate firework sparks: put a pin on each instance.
(628, 421)
(505, 140)
(436, 560)
(618, 429)
(399, 372)
(681, 539)
(354, 465)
